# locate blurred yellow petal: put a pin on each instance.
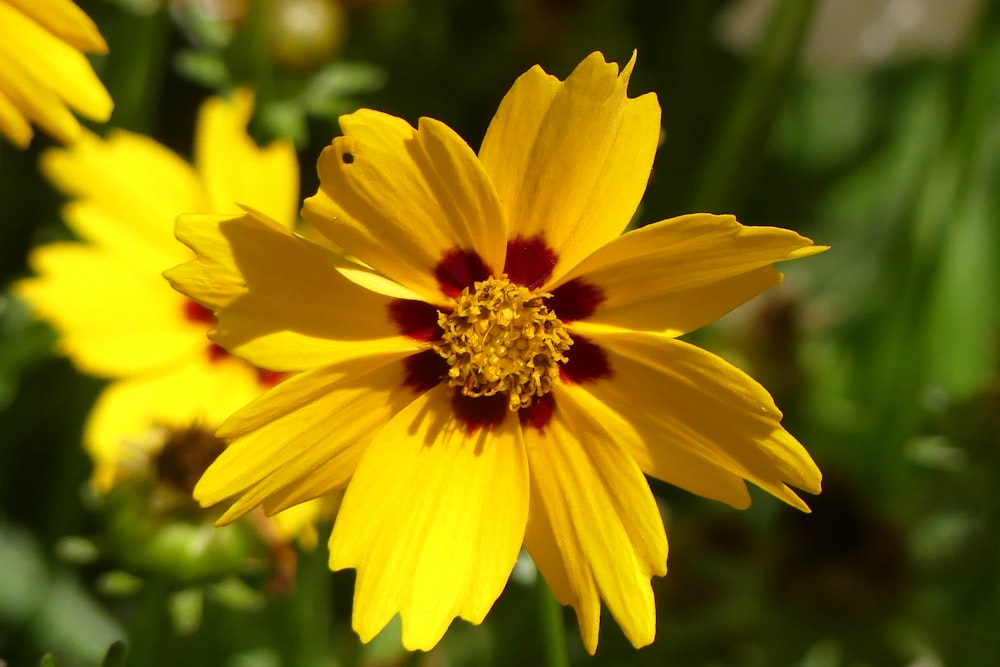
(387, 196)
(114, 318)
(128, 190)
(677, 275)
(12, 123)
(40, 106)
(606, 526)
(44, 69)
(202, 392)
(266, 317)
(570, 159)
(237, 171)
(716, 411)
(299, 522)
(443, 512)
(64, 20)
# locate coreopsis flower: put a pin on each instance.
(115, 315)
(43, 72)
(488, 364)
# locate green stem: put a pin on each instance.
(553, 628)
(746, 130)
(150, 634)
(139, 45)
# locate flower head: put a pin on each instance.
(43, 70)
(494, 366)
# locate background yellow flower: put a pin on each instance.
(43, 72)
(116, 316)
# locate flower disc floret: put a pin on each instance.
(500, 337)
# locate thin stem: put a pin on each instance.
(748, 126)
(552, 626)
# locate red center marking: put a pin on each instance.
(460, 269)
(585, 362)
(199, 314)
(415, 319)
(529, 261)
(575, 300)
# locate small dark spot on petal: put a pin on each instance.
(585, 362)
(479, 411)
(415, 319)
(529, 261)
(575, 300)
(538, 414)
(460, 269)
(347, 158)
(424, 371)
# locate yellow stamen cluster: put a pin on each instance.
(501, 337)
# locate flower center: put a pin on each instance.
(501, 337)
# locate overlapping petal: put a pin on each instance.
(305, 316)
(433, 521)
(300, 432)
(605, 524)
(123, 429)
(677, 466)
(235, 170)
(678, 396)
(44, 69)
(400, 199)
(570, 160)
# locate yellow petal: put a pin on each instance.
(114, 319)
(679, 396)
(38, 104)
(308, 430)
(680, 274)
(570, 160)
(64, 20)
(129, 190)
(401, 199)
(302, 316)
(13, 124)
(235, 170)
(48, 63)
(433, 521)
(606, 526)
(122, 431)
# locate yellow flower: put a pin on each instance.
(500, 367)
(43, 69)
(116, 316)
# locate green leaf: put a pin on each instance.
(115, 657)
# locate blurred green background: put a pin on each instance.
(869, 125)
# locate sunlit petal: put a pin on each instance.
(400, 199)
(570, 160)
(677, 275)
(433, 521)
